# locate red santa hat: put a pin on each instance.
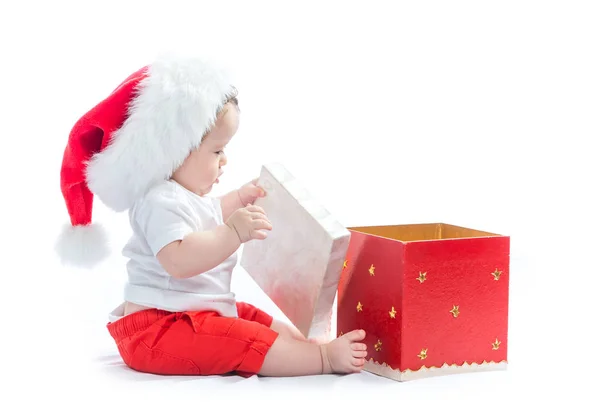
(136, 137)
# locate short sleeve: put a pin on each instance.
(163, 218)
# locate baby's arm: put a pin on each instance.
(231, 202)
(198, 252)
(240, 198)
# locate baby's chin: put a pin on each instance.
(208, 189)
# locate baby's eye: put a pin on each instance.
(219, 152)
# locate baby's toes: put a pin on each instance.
(359, 353)
(358, 362)
(358, 346)
(356, 335)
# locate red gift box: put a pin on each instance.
(432, 298)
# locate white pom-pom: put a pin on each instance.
(82, 246)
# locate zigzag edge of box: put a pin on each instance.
(384, 370)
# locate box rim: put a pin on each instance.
(344, 231)
(492, 235)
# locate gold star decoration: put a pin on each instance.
(423, 354)
(496, 344)
(345, 264)
(422, 277)
(372, 270)
(454, 311)
(496, 274)
(378, 345)
(359, 307)
(392, 313)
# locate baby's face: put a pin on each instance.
(203, 167)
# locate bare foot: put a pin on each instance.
(344, 354)
(290, 357)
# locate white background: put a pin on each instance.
(481, 114)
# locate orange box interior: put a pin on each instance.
(421, 232)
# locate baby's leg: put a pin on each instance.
(251, 313)
(287, 330)
(290, 357)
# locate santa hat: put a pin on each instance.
(135, 138)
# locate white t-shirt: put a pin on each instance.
(169, 212)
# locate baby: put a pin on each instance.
(155, 147)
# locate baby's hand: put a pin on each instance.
(250, 191)
(249, 223)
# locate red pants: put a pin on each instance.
(194, 343)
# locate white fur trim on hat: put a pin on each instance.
(176, 104)
(82, 245)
